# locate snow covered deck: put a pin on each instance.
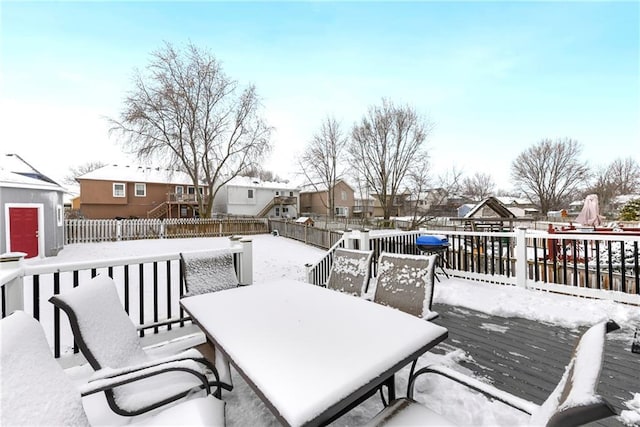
(527, 358)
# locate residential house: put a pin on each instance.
(434, 202)
(253, 197)
(520, 207)
(363, 206)
(31, 210)
(117, 191)
(314, 199)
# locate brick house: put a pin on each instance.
(115, 191)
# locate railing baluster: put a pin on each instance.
(36, 296)
(169, 293)
(155, 295)
(56, 317)
(141, 295)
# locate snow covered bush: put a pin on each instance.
(631, 211)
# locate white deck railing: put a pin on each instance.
(150, 288)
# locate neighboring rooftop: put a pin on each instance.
(16, 172)
(246, 181)
(140, 174)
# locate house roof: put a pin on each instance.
(251, 182)
(320, 187)
(16, 180)
(495, 205)
(509, 201)
(142, 174)
(17, 173)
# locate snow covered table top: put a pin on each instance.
(308, 351)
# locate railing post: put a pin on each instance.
(309, 272)
(162, 229)
(246, 266)
(347, 239)
(521, 257)
(119, 230)
(14, 288)
(364, 240)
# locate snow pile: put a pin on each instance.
(631, 417)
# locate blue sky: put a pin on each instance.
(493, 77)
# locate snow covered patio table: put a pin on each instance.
(310, 353)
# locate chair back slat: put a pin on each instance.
(350, 271)
(405, 282)
(102, 329)
(206, 272)
(575, 401)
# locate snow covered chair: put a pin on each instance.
(109, 341)
(573, 402)
(37, 392)
(350, 271)
(406, 282)
(209, 271)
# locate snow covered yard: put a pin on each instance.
(276, 257)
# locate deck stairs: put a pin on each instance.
(159, 211)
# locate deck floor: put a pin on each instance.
(527, 358)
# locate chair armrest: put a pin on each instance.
(162, 323)
(484, 388)
(111, 380)
(191, 354)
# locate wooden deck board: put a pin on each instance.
(527, 358)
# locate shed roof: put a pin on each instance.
(252, 182)
(495, 205)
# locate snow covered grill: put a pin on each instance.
(432, 243)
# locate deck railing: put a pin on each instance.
(108, 230)
(150, 288)
(310, 235)
(608, 268)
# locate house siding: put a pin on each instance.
(97, 201)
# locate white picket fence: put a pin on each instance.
(107, 230)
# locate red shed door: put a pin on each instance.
(23, 230)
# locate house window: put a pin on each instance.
(341, 211)
(277, 193)
(291, 193)
(343, 194)
(285, 210)
(141, 190)
(118, 189)
(250, 194)
(277, 211)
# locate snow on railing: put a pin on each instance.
(150, 288)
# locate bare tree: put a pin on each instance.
(80, 170)
(185, 112)
(429, 201)
(263, 174)
(479, 186)
(386, 144)
(624, 175)
(319, 162)
(550, 172)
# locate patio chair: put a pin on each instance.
(37, 391)
(350, 271)
(405, 282)
(573, 402)
(209, 271)
(109, 341)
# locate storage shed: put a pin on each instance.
(31, 210)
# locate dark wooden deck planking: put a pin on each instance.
(527, 358)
